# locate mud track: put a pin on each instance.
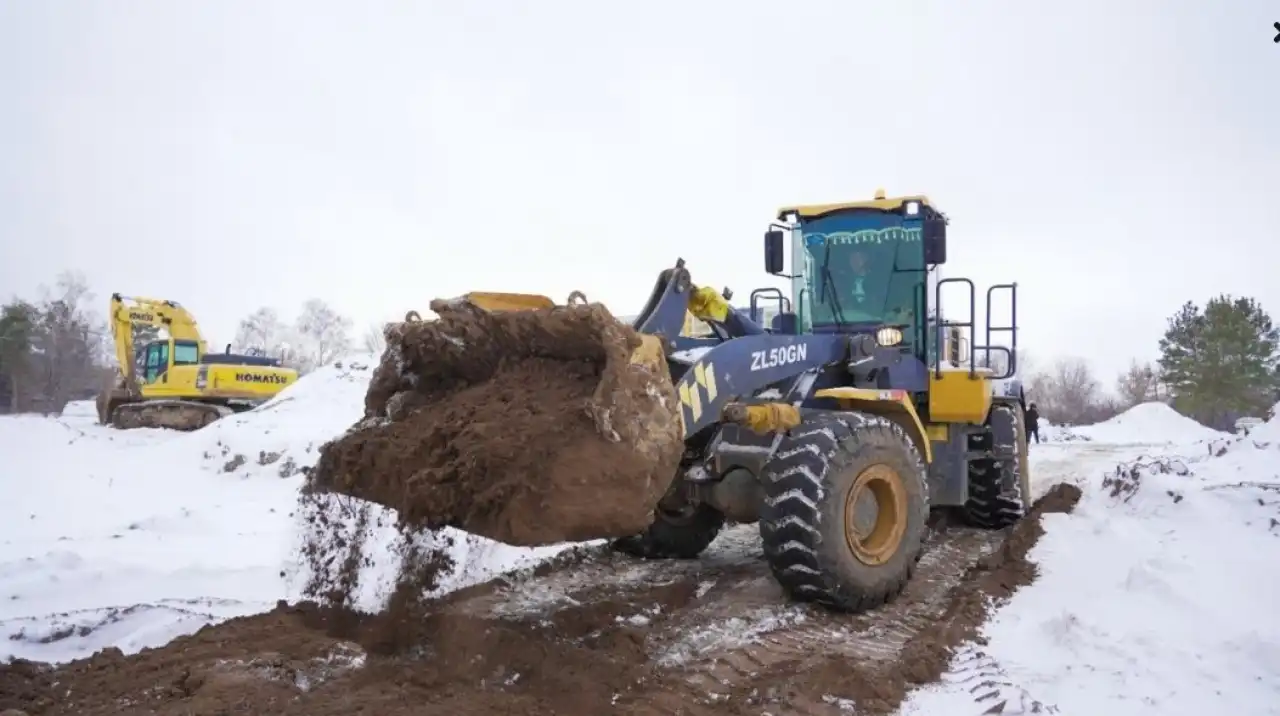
(595, 633)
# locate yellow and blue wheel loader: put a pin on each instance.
(840, 425)
(836, 427)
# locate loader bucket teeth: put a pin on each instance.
(527, 426)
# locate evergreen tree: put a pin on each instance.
(1221, 363)
(18, 322)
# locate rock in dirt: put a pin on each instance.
(526, 427)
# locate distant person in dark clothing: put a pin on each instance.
(1033, 422)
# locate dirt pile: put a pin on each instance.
(527, 427)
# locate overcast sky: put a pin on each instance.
(1115, 158)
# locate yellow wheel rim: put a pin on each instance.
(875, 514)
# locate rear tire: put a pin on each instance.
(675, 536)
(1000, 486)
(818, 545)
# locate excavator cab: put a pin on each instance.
(155, 361)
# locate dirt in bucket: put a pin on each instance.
(529, 427)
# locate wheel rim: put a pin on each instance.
(875, 514)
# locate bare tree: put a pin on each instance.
(1068, 393)
(261, 333)
(322, 335)
(375, 338)
(67, 344)
(1026, 363)
(1138, 384)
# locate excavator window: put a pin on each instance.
(185, 353)
(157, 361)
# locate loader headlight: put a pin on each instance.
(888, 337)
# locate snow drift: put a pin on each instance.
(1155, 596)
(1148, 424)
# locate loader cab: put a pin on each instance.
(864, 267)
(873, 267)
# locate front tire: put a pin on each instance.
(845, 511)
(1000, 485)
(681, 535)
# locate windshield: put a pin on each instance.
(863, 268)
(185, 353)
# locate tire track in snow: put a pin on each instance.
(737, 622)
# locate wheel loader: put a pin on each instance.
(175, 382)
(837, 427)
(854, 413)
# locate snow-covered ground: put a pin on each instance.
(1157, 595)
(132, 538)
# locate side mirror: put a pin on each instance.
(774, 250)
(935, 240)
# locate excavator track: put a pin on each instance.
(183, 415)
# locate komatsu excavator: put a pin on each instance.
(174, 382)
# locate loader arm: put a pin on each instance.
(744, 366)
(748, 361)
(675, 297)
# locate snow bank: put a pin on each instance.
(132, 538)
(280, 438)
(1269, 431)
(1156, 596)
(1148, 423)
(80, 409)
(1051, 433)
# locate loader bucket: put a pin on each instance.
(493, 302)
(529, 426)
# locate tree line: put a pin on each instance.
(58, 347)
(317, 336)
(1217, 363)
(54, 349)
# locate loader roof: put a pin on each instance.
(813, 211)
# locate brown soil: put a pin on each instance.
(583, 651)
(529, 427)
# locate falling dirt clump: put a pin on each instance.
(526, 427)
(529, 427)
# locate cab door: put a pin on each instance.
(157, 363)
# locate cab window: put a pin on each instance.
(157, 361)
(185, 354)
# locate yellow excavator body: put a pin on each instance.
(175, 382)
